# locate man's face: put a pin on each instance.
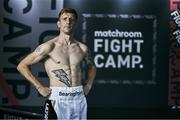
(66, 23)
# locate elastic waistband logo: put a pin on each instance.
(70, 94)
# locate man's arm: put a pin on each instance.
(32, 58)
(91, 72)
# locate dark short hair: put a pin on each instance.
(68, 10)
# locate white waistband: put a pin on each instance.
(67, 89)
(66, 92)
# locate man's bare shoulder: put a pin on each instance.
(83, 46)
(51, 41)
(47, 46)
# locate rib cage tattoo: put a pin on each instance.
(61, 74)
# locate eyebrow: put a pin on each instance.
(62, 17)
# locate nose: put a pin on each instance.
(68, 21)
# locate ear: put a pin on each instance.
(58, 24)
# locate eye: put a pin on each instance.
(72, 19)
(65, 18)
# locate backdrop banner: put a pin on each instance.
(128, 39)
(24, 25)
(125, 51)
(174, 55)
(129, 44)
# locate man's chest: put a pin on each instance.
(65, 54)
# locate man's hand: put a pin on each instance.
(86, 89)
(44, 91)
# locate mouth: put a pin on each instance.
(68, 27)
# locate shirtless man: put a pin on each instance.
(62, 57)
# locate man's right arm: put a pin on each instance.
(32, 58)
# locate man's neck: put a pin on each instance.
(65, 39)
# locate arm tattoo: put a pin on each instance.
(38, 49)
(88, 58)
(60, 73)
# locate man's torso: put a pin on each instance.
(63, 64)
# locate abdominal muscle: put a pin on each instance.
(63, 66)
(65, 76)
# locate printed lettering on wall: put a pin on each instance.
(174, 58)
(25, 26)
(120, 47)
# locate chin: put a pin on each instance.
(68, 33)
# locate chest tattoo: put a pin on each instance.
(60, 73)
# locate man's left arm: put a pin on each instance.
(91, 72)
